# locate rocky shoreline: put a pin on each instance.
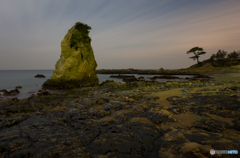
(145, 72)
(135, 119)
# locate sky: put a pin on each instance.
(139, 34)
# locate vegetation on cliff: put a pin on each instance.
(80, 35)
(222, 58)
(222, 61)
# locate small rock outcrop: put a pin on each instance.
(164, 77)
(76, 66)
(11, 92)
(6, 93)
(3, 90)
(14, 92)
(43, 92)
(39, 76)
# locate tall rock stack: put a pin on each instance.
(76, 66)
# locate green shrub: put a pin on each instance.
(234, 55)
(218, 59)
(80, 34)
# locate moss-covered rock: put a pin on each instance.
(76, 66)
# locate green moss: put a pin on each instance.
(80, 35)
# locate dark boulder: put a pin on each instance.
(11, 92)
(14, 92)
(234, 88)
(7, 93)
(43, 92)
(201, 76)
(130, 79)
(3, 90)
(121, 76)
(18, 87)
(39, 76)
(126, 78)
(13, 99)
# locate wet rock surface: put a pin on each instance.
(124, 120)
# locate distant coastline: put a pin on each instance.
(136, 69)
(96, 69)
(9, 79)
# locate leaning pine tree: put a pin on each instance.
(197, 52)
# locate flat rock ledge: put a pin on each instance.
(120, 120)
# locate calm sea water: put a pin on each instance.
(9, 79)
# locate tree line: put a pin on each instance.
(221, 58)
